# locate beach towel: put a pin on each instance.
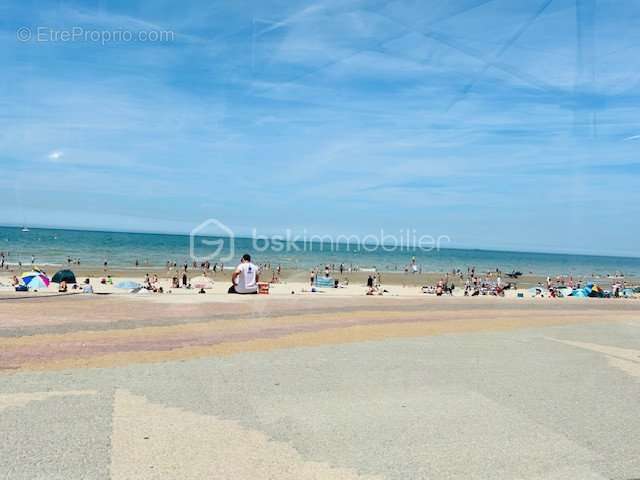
(325, 282)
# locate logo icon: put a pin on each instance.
(211, 240)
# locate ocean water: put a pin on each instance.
(52, 247)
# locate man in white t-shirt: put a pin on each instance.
(245, 277)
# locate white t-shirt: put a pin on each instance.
(247, 278)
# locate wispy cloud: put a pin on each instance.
(289, 20)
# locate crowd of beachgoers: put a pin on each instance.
(247, 277)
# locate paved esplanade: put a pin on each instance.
(547, 402)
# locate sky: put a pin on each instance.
(500, 124)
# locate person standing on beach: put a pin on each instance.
(245, 277)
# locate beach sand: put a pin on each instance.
(291, 279)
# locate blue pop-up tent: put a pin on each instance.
(580, 292)
(590, 290)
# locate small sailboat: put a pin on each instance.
(25, 229)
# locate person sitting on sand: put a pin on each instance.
(63, 287)
(245, 277)
(87, 288)
(14, 281)
(374, 291)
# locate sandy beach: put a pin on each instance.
(398, 283)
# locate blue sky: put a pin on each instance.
(502, 124)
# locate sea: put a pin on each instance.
(56, 247)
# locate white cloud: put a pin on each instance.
(55, 156)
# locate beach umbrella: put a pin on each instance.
(127, 285)
(64, 276)
(32, 273)
(34, 280)
(202, 282)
